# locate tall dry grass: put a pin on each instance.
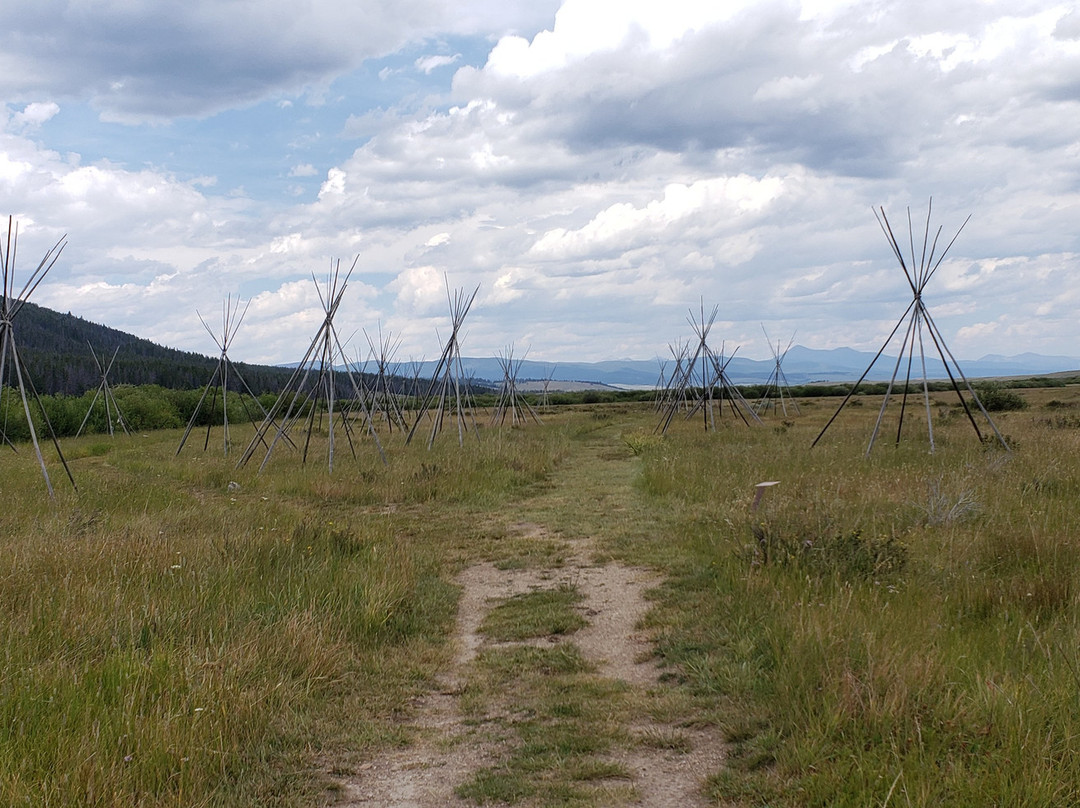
(898, 629)
(182, 632)
(894, 629)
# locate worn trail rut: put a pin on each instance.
(446, 749)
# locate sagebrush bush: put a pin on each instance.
(996, 398)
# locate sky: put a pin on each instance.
(603, 171)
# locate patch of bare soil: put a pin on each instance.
(447, 751)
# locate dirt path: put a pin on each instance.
(447, 749)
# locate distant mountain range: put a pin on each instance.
(56, 350)
(801, 366)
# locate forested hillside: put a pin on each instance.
(55, 348)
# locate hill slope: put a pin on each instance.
(55, 349)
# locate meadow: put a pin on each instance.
(892, 629)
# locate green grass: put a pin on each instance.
(182, 632)
(560, 720)
(541, 613)
(899, 628)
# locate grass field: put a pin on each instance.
(897, 629)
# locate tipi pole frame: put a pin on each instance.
(447, 372)
(24, 381)
(917, 276)
(324, 347)
(777, 379)
(105, 393)
(681, 374)
(358, 393)
(10, 304)
(865, 373)
(723, 381)
(892, 381)
(383, 399)
(299, 374)
(509, 399)
(232, 317)
(685, 382)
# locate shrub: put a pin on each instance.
(996, 398)
(147, 407)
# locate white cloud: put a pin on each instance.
(507, 286)
(426, 64)
(154, 61)
(286, 244)
(586, 27)
(787, 88)
(334, 185)
(595, 179)
(420, 290)
(624, 226)
(34, 115)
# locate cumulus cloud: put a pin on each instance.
(149, 60)
(335, 183)
(596, 180)
(103, 204)
(426, 64)
(420, 289)
(623, 226)
(34, 115)
(834, 89)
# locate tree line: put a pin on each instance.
(55, 349)
(154, 406)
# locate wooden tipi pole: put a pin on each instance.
(104, 392)
(917, 319)
(10, 303)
